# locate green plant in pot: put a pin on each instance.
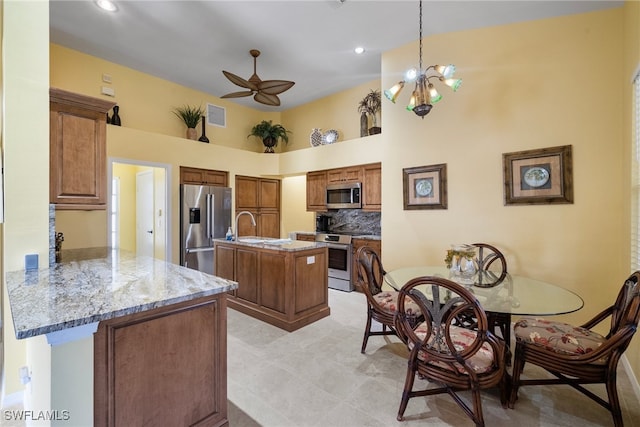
(371, 105)
(191, 117)
(269, 134)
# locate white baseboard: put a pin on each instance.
(632, 378)
(13, 399)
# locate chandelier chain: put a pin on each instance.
(420, 69)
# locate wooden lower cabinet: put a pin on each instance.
(166, 366)
(287, 289)
(306, 237)
(355, 245)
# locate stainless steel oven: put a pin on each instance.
(339, 246)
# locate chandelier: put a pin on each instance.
(425, 94)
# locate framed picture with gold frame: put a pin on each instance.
(538, 177)
(425, 187)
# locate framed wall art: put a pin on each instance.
(537, 177)
(425, 187)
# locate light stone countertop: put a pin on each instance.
(286, 245)
(95, 284)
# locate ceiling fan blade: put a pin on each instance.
(238, 94)
(237, 80)
(267, 99)
(274, 87)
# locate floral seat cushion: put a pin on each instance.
(481, 362)
(388, 300)
(558, 337)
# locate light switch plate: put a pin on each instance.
(31, 262)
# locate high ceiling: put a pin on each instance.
(308, 42)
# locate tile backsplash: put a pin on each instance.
(354, 221)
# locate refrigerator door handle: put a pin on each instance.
(208, 216)
(212, 213)
(192, 251)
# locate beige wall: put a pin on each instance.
(25, 139)
(146, 102)
(631, 65)
(338, 112)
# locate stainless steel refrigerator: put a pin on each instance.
(205, 215)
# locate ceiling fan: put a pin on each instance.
(264, 91)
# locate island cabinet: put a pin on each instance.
(77, 150)
(357, 243)
(285, 288)
(261, 197)
(190, 175)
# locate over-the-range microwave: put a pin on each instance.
(344, 196)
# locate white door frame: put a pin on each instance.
(166, 209)
(145, 178)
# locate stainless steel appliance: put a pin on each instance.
(205, 214)
(344, 196)
(322, 223)
(339, 246)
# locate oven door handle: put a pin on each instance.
(337, 246)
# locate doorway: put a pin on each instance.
(139, 207)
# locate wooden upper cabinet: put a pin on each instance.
(372, 187)
(203, 176)
(261, 197)
(317, 191)
(77, 150)
(350, 174)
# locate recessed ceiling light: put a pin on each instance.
(359, 50)
(107, 5)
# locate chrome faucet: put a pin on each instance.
(253, 221)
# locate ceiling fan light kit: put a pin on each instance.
(425, 94)
(264, 91)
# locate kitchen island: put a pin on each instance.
(157, 332)
(280, 281)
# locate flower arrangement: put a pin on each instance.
(457, 252)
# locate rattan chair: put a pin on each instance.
(454, 357)
(492, 260)
(381, 304)
(578, 355)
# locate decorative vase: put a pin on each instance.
(108, 119)
(316, 137)
(269, 143)
(203, 138)
(115, 119)
(192, 134)
(461, 260)
(364, 122)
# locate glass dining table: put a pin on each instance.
(508, 294)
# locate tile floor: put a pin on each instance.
(317, 377)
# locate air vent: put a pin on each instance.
(216, 116)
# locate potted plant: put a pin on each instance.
(371, 105)
(190, 116)
(269, 134)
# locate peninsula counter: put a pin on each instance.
(159, 348)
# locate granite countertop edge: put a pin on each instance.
(88, 290)
(292, 246)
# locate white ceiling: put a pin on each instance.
(310, 42)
